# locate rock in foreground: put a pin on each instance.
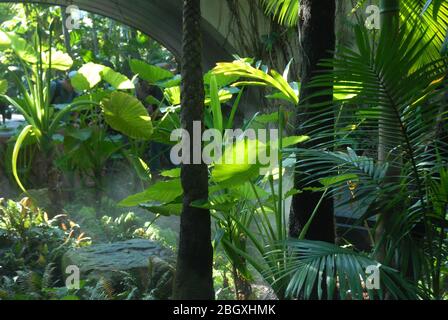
(145, 259)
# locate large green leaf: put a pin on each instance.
(87, 77)
(91, 74)
(167, 210)
(59, 60)
(239, 163)
(21, 47)
(116, 79)
(127, 115)
(149, 73)
(162, 192)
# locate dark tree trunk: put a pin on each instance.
(317, 41)
(195, 258)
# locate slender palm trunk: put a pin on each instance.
(65, 31)
(390, 20)
(96, 45)
(195, 258)
(317, 40)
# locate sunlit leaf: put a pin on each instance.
(59, 60)
(116, 79)
(87, 77)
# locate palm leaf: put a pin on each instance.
(285, 11)
(259, 76)
(388, 84)
(330, 271)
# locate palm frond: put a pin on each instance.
(432, 15)
(285, 11)
(323, 270)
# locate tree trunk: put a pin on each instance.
(96, 45)
(195, 258)
(390, 21)
(317, 41)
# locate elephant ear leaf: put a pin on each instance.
(116, 79)
(88, 76)
(127, 115)
(21, 47)
(57, 61)
(149, 73)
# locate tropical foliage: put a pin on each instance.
(378, 149)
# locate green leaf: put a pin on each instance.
(223, 96)
(291, 193)
(149, 73)
(5, 41)
(59, 60)
(247, 192)
(267, 118)
(173, 82)
(239, 163)
(172, 95)
(286, 11)
(3, 86)
(343, 267)
(15, 154)
(333, 181)
(221, 79)
(116, 79)
(241, 68)
(21, 47)
(162, 192)
(174, 173)
(153, 101)
(127, 115)
(215, 105)
(79, 134)
(95, 98)
(87, 77)
(294, 140)
(167, 210)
